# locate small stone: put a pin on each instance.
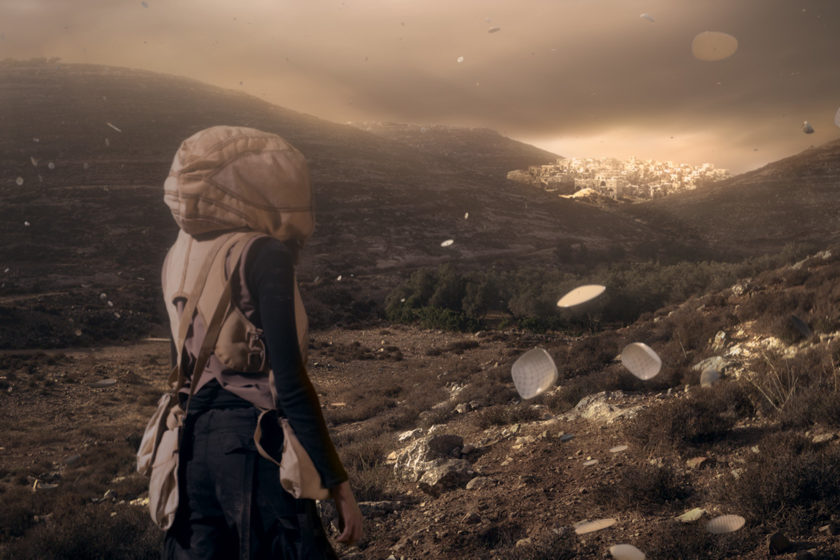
(823, 438)
(778, 543)
(524, 542)
(471, 517)
(698, 462)
(467, 449)
(479, 483)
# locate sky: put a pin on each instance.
(581, 78)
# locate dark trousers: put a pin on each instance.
(231, 502)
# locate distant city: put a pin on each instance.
(619, 180)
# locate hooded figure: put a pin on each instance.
(243, 202)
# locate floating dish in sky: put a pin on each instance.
(837, 118)
(709, 377)
(585, 527)
(114, 127)
(713, 45)
(641, 360)
(19, 181)
(590, 462)
(34, 161)
(447, 243)
(581, 294)
(533, 373)
(801, 326)
(725, 524)
(618, 449)
(691, 515)
(51, 165)
(647, 17)
(78, 332)
(807, 128)
(26, 223)
(466, 215)
(626, 552)
(338, 278)
(494, 29)
(460, 59)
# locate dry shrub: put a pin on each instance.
(704, 417)
(792, 484)
(646, 488)
(691, 542)
(504, 415)
(588, 354)
(91, 532)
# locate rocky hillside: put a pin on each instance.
(449, 462)
(84, 151)
(794, 200)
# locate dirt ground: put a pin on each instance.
(64, 432)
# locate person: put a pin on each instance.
(242, 200)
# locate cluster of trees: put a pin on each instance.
(453, 299)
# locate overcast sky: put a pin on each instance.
(577, 77)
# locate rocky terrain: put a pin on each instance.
(447, 459)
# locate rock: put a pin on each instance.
(410, 434)
(777, 543)
(467, 449)
(524, 542)
(718, 363)
(699, 462)
(462, 408)
(709, 377)
(823, 438)
(523, 441)
(378, 509)
(471, 517)
(605, 407)
(479, 483)
(832, 529)
(445, 476)
(425, 453)
(805, 554)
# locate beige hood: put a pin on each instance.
(227, 177)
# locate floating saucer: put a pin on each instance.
(712, 46)
(447, 243)
(618, 449)
(641, 360)
(626, 552)
(691, 515)
(533, 373)
(725, 524)
(585, 527)
(580, 295)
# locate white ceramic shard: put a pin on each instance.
(725, 524)
(51, 165)
(590, 462)
(691, 515)
(711, 46)
(78, 332)
(447, 243)
(494, 29)
(837, 118)
(626, 552)
(338, 278)
(104, 383)
(533, 373)
(618, 449)
(709, 377)
(580, 295)
(19, 181)
(26, 223)
(34, 161)
(466, 215)
(585, 527)
(647, 17)
(641, 360)
(807, 128)
(460, 59)
(113, 126)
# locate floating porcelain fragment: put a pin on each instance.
(647, 17)
(51, 165)
(807, 128)
(580, 295)
(494, 29)
(113, 126)
(590, 462)
(34, 161)
(618, 449)
(78, 332)
(641, 360)
(691, 515)
(585, 527)
(712, 46)
(103, 383)
(460, 59)
(110, 303)
(447, 243)
(725, 524)
(19, 181)
(103, 296)
(837, 118)
(26, 223)
(533, 373)
(626, 552)
(338, 278)
(466, 215)
(709, 377)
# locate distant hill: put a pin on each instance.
(93, 144)
(793, 200)
(484, 151)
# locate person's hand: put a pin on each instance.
(349, 514)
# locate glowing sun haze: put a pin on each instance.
(577, 77)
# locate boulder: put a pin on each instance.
(446, 475)
(424, 454)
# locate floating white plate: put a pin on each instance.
(533, 373)
(626, 552)
(581, 294)
(713, 45)
(807, 128)
(691, 515)
(447, 243)
(725, 524)
(641, 360)
(585, 527)
(618, 449)
(647, 17)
